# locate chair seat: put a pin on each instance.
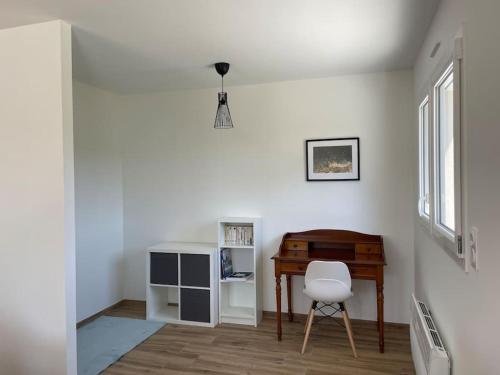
(327, 290)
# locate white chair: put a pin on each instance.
(329, 283)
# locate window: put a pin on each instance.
(445, 151)
(424, 164)
(439, 193)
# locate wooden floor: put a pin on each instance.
(234, 349)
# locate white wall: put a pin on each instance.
(37, 320)
(99, 201)
(466, 306)
(180, 174)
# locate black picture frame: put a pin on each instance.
(355, 175)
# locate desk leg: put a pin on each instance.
(289, 296)
(278, 306)
(380, 314)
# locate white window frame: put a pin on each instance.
(451, 241)
(438, 196)
(422, 142)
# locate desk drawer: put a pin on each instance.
(294, 267)
(295, 254)
(368, 249)
(363, 271)
(296, 245)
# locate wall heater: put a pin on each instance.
(429, 354)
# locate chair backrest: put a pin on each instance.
(319, 269)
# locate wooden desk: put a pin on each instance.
(363, 254)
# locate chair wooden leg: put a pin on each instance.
(308, 327)
(309, 316)
(349, 331)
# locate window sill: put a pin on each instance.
(441, 241)
(424, 222)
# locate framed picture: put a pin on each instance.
(335, 159)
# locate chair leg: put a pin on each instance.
(348, 327)
(313, 306)
(308, 326)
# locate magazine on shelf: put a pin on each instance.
(240, 276)
(226, 264)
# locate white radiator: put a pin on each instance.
(429, 354)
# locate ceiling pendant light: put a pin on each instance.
(223, 117)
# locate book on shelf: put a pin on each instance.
(238, 235)
(226, 264)
(239, 276)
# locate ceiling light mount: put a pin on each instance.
(222, 68)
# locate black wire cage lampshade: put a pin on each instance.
(223, 117)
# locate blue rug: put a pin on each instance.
(105, 340)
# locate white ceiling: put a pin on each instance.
(133, 46)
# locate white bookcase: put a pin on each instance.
(182, 283)
(240, 302)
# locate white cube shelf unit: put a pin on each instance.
(182, 283)
(240, 302)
